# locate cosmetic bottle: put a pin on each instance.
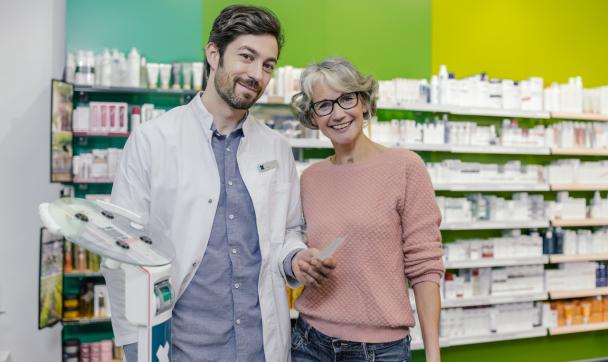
(134, 68)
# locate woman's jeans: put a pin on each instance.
(308, 344)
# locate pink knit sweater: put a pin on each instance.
(385, 208)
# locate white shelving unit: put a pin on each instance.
(491, 262)
(579, 223)
(582, 293)
(490, 187)
(580, 116)
(509, 150)
(578, 328)
(467, 111)
(491, 300)
(560, 258)
(495, 337)
(495, 225)
(579, 187)
(580, 151)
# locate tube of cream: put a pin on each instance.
(152, 75)
(165, 75)
(176, 71)
(197, 76)
(187, 75)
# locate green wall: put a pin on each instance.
(516, 39)
(163, 31)
(388, 44)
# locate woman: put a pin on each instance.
(382, 202)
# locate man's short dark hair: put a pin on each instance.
(236, 20)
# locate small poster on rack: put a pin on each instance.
(50, 281)
(61, 131)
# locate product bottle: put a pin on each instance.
(80, 72)
(106, 69)
(70, 68)
(143, 73)
(67, 259)
(90, 74)
(434, 89)
(134, 68)
(86, 300)
(135, 118)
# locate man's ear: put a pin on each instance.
(212, 54)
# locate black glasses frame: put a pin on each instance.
(333, 102)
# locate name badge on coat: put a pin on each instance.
(267, 166)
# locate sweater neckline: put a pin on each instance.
(355, 165)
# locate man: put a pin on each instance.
(226, 188)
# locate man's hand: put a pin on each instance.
(311, 271)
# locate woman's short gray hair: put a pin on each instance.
(339, 74)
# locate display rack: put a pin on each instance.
(561, 258)
(491, 262)
(580, 223)
(582, 293)
(491, 300)
(578, 328)
(84, 94)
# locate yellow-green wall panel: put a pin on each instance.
(516, 39)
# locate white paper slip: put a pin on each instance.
(329, 249)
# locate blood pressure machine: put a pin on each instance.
(142, 252)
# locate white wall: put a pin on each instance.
(31, 53)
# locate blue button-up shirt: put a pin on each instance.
(218, 316)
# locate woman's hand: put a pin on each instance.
(309, 270)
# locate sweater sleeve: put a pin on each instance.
(420, 220)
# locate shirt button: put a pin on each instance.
(234, 251)
(210, 201)
(230, 183)
(238, 321)
(231, 216)
(228, 149)
(237, 285)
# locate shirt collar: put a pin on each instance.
(202, 114)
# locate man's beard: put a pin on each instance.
(225, 87)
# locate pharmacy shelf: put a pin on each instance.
(579, 187)
(77, 274)
(578, 328)
(490, 112)
(566, 294)
(131, 90)
(420, 146)
(508, 150)
(495, 225)
(100, 134)
(491, 187)
(495, 337)
(501, 299)
(83, 321)
(581, 116)
(580, 151)
(92, 181)
(467, 111)
(416, 107)
(579, 223)
(309, 143)
(491, 262)
(560, 258)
